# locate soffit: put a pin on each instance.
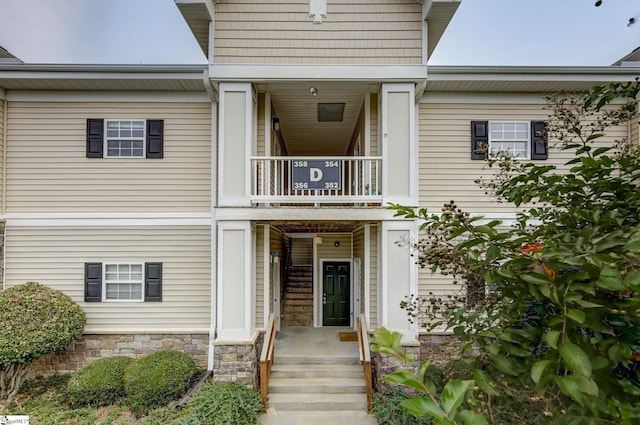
(297, 108)
(438, 17)
(101, 78)
(316, 227)
(196, 14)
(523, 79)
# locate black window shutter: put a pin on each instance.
(153, 281)
(155, 138)
(93, 282)
(479, 139)
(539, 144)
(95, 138)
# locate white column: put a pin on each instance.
(236, 288)
(399, 144)
(399, 276)
(236, 143)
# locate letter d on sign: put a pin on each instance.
(315, 174)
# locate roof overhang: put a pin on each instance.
(198, 14)
(514, 79)
(103, 77)
(438, 14)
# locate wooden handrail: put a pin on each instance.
(267, 357)
(365, 357)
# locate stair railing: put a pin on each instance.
(365, 357)
(267, 357)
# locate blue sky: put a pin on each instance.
(483, 32)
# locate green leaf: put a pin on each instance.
(493, 253)
(467, 417)
(535, 278)
(576, 315)
(569, 386)
(420, 406)
(484, 382)
(575, 359)
(587, 385)
(407, 379)
(538, 368)
(502, 364)
(587, 304)
(453, 395)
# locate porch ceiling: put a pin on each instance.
(295, 104)
(316, 227)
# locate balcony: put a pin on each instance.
(292, 180)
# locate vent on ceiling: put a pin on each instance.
(330, 112)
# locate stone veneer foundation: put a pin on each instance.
(93, 347)
(238, 362)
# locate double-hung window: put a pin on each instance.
(518, 139)
(123, 282)
(509, 137)
(125, 138)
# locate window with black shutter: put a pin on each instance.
(518, 139)
(122, 138)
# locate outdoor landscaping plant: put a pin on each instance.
(560, 311)
(157, 379)
(36, 320)
(100, 383)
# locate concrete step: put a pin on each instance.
(325, 385)
(311, 417)
(317, 360)
(316, 401)
(284, 370)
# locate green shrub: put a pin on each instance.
(224, 404)
(388, 412)
(36, 320)
(100, 383)
(157, 379)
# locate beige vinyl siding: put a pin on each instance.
(634, 131)
(3, 104)
(55, 256)
(48, 171)
(301, 251)
(328, 251)
(353, 32)
(373, 277)
(374, 151)
(446, 171)
(260, 278)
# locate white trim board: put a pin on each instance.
(106, 219)
(115, 96)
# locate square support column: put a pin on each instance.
(236, 288)
(399, 144)
(237, 143)
(399, 277)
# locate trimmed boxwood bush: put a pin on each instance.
(100, 383)
(222, 404)
(36, 320)
(157, 379)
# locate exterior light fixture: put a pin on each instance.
(275, 124)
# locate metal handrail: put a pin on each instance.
(267, 357)
(365, 357)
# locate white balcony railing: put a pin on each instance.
(316, 180)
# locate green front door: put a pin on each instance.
(336, 294)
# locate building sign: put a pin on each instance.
(316, 174)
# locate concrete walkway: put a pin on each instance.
(315, 343)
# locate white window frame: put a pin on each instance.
(105, 282)
(142, 138)
(494, 141)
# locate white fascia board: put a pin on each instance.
(258, 73)
(106, 219)
(104, 96)
(530, 73)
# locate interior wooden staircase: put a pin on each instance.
(298, 297)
